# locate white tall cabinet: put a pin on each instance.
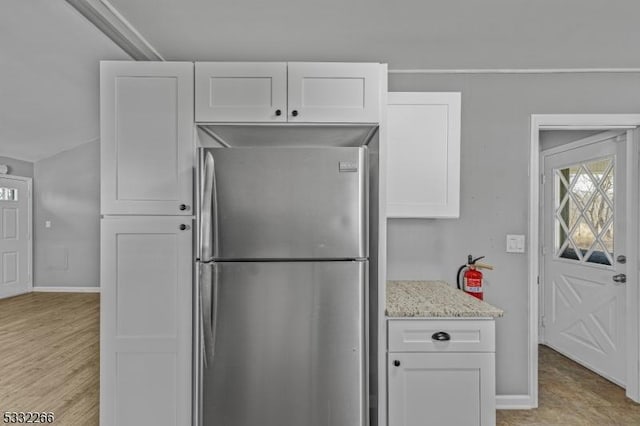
(147, 160)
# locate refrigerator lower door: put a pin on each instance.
(288, 346)
(284, 203)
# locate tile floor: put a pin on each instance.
(570, 394)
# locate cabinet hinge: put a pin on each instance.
(542, 179)
(543, 321)
(538, 279)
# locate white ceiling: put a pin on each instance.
(404, 33)
(49, 53)
(49, 73)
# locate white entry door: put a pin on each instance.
(15, 236)
(583, 253)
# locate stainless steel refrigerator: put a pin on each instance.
(283, 266)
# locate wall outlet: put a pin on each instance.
(515, 243)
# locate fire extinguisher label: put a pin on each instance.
(473, 285)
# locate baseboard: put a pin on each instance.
(514, 402)
(57, 289)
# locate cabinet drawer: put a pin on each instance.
(421, 335)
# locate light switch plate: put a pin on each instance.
(515, 243)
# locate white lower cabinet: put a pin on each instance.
(145, 320)
(441, 382)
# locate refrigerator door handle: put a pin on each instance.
(208, 308)
(208, 213)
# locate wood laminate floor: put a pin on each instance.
(570, 394)
(49, 361)
(49, 356)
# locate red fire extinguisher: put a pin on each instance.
(472, 281)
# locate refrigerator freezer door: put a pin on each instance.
(285, 203)
(289, 345)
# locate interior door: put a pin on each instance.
(583, 253)
(15, 237)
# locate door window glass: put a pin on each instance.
(584, 211)
(8, 194)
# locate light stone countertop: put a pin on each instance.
(434, 299)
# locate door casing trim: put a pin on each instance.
(585, 122)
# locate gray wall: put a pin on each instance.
(496, 111)
(18, 167)
(410, 34)
(67, 193)
(554, 138)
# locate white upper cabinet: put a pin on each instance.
(303, 92)
(423, 155)
(334, 92)
(147, 137)
(241, 91)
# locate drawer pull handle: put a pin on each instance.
(396, 363)
(441, 336)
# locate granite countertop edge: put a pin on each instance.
(434, 299)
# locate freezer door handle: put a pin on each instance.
(208, 211)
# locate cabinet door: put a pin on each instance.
(145, 321)
(334, 92)
(423, 155)
(241, 91)
(147, 137)
(444, 389)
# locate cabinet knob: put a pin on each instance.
(184, 227)
(396, 363)
(183, 207)
(441, 336)
(278, 113)
(294, 112)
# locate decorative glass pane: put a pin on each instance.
(8, 194)
(607, 238)
(598, 168)
(607, 185)
(582, 236)
(584, 211)
(599, 256)
(583, 188)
